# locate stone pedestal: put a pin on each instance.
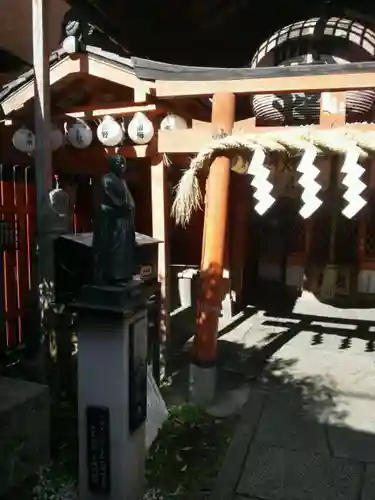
(112, 392)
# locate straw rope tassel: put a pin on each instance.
(352, 181)
(260, 181)
(307, 180)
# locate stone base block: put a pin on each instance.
(202, 385)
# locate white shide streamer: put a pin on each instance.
(309, 172)
(352, 181)
(260, 182)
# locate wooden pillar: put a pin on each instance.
(43, 157)
(214, 239)
(239, 234)
(160, 231)
(332, 114)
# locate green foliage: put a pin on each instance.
(184, 459)
(54, 484)
(187, 453)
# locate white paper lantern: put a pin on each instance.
(80, 135)
(24, 140)
(140, 129)
(173, 122)
(110, 132)
(57, 138)
(59, 200)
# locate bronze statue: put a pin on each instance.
(114, 227)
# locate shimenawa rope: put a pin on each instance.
(287, 142)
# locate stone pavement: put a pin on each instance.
(307, 431)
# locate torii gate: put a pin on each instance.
(333, 81)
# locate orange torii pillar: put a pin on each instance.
(203, 366)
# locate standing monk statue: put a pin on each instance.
(114, 227)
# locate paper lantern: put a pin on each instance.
(80, 135)
(57, 138)
(24, 140)
(173, 122)
(59, 200)
(140, 129)
(110, 132)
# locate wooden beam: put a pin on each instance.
(214, 238)
(195, 139)
(266, 85)
(92, 111)
(246, 125)
(43, 155)
(115, 109)
(44, 254)
(140, 95)
(93, 159)
(160, 231)
(57, 72)
(239, 212)
(115, 73)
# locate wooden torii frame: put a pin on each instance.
(333, 80)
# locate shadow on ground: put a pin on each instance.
(308, 429)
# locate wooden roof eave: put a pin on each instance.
(84, 63)
(173, 81)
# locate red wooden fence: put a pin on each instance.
(18, 208)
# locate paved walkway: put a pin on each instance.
(307, 431)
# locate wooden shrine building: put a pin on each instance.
(84, 88)
(283, 206)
